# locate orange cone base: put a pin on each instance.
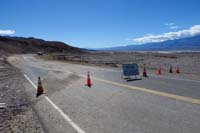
(145, 74)
(89, 82)
(177, 70)
(89, 85)
(170, 71)
(159, 72)
(39, 91)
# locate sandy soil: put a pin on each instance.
(16, 115)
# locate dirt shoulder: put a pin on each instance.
(16, 112)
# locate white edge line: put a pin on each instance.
(66, 117)
(3, 105)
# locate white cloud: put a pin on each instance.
(173, 27)
(7, 32)
(192, 31)
(170, 24)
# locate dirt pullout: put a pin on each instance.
(16, 115)
(56, 81)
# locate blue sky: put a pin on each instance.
(100, 23)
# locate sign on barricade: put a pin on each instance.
(130, 70)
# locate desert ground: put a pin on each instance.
(164, 103)
(151, 105)
(188, 62)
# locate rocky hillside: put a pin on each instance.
(21, 45)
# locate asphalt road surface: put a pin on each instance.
(111, 105)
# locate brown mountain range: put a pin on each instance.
(21, 45)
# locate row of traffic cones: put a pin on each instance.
(159, 71)
(177, 70)
(40, 89)
(170, 70)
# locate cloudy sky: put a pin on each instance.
(100, 23)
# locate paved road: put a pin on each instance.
(112, 105)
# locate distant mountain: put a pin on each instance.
(184, 44)
(32, 45)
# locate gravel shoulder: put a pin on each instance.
(17, 114)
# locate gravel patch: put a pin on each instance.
(16, 112)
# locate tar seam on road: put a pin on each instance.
(66, 117)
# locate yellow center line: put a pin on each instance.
(164, 94)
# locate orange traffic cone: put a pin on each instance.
(89, 82)
(144, 71)
(40, 89)
(159, 71)
(177, 70)
(170, 69)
